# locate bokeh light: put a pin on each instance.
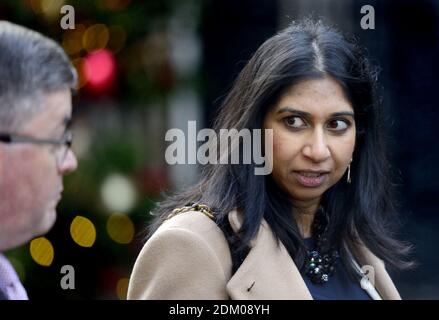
(41, 250)
(72, 39)
(118, 193)
(49, 8)
(99, 70)
(95, 37)
(114, 5)
(122, 288)
(83, 231)
(120, 228)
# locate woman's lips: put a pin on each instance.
(310, 179)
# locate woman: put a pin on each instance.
(323, 215)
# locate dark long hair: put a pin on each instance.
(361, 211)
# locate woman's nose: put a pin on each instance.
(316, 147)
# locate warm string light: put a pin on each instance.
(92, 51)
(99, 70)
(83, 231)
(41, 250)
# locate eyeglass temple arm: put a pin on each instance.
(8, 138)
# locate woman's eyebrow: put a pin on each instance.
(292, 110)
(343, 113)
(309, 115)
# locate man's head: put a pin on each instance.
(36, 79)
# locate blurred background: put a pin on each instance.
(147, 66)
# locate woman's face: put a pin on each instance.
(313, 138)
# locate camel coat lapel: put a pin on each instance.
(383, 283)
(268, 272)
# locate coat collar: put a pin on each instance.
(268, 272)
(383, 283)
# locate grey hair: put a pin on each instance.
(30, 64)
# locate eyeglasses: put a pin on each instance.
(62, 145)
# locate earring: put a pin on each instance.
(349, 172)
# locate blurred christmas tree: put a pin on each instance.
(131, 58)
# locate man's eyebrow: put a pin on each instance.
(308, 115)
(67, 122)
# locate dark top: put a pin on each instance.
(339, 285)
(3, 296)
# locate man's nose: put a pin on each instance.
(69, 164)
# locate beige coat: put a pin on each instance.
(189, 258)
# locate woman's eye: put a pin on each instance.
(338, 125)
(294, 122)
